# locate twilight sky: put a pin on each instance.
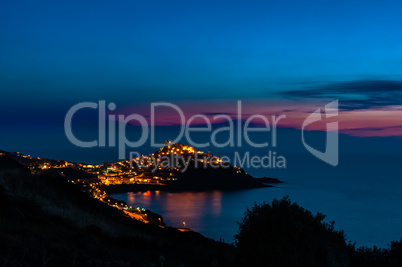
(278, 56)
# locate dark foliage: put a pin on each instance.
(376, 257)
(285, 234)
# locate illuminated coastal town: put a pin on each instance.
(158, 170)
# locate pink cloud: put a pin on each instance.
(367, 122)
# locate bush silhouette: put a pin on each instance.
(285, 234)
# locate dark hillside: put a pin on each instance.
(46, 221)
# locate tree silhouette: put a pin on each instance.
(285, 234)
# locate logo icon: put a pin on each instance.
(331, 154)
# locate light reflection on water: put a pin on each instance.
(176, 208)
(367, 218)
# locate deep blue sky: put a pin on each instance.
(54, 54)
(130, 51)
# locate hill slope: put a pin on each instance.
(46, 221)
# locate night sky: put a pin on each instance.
(276, 56)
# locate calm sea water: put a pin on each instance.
(363, 195)
(366, 217)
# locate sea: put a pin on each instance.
(366, 205)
